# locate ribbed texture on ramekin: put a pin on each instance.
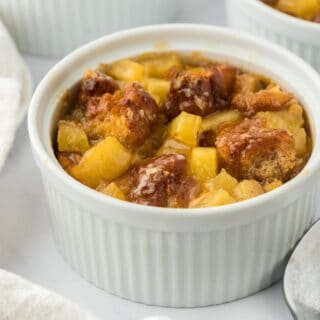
(56, 27)
(177, 269)
(239, 17)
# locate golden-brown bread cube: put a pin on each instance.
(154, 182)
(127, 125)
(129, 116)
(106, 160)
(185, 128)
(212, 199)
(249, 103)
(114, 191)
(98, 107)
(71, 137)
(203, 163)
(171, 186)
(181, 195)
(126, 70)
(248, 150)
(305, 9)
(94, 84)
(222, 181)
(191, 91)
(200, 91)
(249, 83)
(272, 185)
(134, 95)
(224, 81)
(247, 189)
(291, 120)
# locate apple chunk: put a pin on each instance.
(106, 160)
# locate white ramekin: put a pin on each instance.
(299, 36)
(177, 257)
(56, 27)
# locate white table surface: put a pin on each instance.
(26, 243)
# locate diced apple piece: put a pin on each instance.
(273, 120)
(171, 145)
(158, 67)
(126, 70)
(296, 109)
(203, 163)
(213, 121)
(247, 189)
(113, 190)
(71, 138)
(222, 181)
(185, 127)
(272, 185)
(158, 89)
(294, 117)
(290, 120)
(212, 199)
(106, 160)
(222, 197)
(301, 142)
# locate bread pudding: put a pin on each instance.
(303, 9)
(180, 131)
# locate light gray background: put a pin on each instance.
(26, 244)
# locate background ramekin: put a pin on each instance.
(172, 257)
(56, 27)
(299, 36)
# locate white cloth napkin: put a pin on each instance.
(15, 91)
(9, 102)
(22, 300)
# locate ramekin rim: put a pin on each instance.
(234, 208)
(277, 14)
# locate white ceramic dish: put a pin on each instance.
(56, 27)
(299, 36)
(172, 257)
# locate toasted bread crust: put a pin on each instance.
(95, 84)
(201, 91)
(155, 181)
(251, 151)
(250, 103)
(129, 115)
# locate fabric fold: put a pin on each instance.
(23, 300)
(15, 92)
